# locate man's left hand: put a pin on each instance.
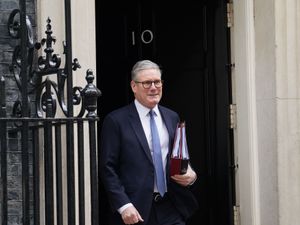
(185, 179)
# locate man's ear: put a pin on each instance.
(133, 86)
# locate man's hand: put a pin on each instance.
(185, 179)
(131, 216)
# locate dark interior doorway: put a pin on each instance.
(189, 41)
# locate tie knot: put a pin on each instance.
(152, 113)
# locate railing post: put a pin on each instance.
(90, 96)
(25, 113)
(36, 175)
(70, 125)
(81, 169)
(59, 170)
(48, 155)
(3, 141)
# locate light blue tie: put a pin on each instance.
(157, 158)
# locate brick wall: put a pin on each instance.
(7, 45)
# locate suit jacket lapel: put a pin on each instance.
(138, 129)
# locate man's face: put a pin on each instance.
(151, 96)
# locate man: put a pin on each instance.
(136, 141)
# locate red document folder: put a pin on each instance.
(180, 156)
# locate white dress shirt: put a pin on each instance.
(162, 132)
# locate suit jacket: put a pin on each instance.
(126, 165)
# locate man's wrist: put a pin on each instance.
(121, 210)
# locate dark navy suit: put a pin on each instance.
(126, 166)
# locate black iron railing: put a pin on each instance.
(43, 117)
(50, 132)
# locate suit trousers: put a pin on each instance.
(163, 212)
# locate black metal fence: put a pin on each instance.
(56, 146)
(44, 194)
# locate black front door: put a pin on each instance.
(189, 41)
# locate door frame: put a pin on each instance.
(244, 96)
(219, 67)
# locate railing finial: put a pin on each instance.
(90, 94)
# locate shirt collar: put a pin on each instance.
(144, 110)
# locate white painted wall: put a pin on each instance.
(265, 85)
(83, 32)
(287, 37)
